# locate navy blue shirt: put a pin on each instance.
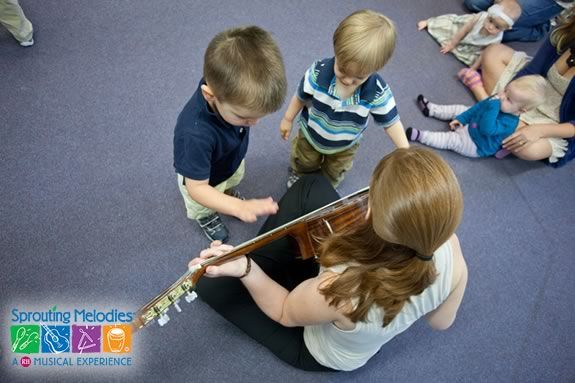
(205, 146)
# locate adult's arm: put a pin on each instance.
(546, 55)
(303, 306)
(530, 133)
(444, 315)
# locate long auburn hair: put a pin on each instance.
(563, 37)
(415, 206)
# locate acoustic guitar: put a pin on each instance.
(307, 230)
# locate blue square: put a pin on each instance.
(55, 339)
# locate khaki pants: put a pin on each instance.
(305, 159)
(195, 210)
(13, 18)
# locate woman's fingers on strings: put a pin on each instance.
(209, 253)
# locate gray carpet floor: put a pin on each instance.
(90, 214)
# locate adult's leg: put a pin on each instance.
(477, 5)
(533, 24)
(280, 259)
(230, 298)
(539, 150)
(496, 57)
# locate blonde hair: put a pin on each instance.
(244, 67)
(416, 205)
(531, 88)
(563, 37)
(365, 39)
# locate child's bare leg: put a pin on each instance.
(421, 25)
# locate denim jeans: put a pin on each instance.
(533, 24)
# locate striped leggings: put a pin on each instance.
(458, 141)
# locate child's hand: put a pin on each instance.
(285, 128)
(455, 125)
(252, 208)
(447, 47)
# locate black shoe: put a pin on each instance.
(235, 193)
(214, 228)
(412, 134)
(422, 104)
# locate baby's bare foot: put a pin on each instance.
(421, 25)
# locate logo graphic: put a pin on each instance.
(55, 339)
(25, 361)
(75, 338)
(25, 339)
(86, 339)
(117, 339)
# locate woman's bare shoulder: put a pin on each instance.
(459, 264)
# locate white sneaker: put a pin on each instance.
(28, 43)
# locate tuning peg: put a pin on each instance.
(177, 306)
(190, 296)
(163, 319)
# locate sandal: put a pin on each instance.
(422, 104)
(470, 78)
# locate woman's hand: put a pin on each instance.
(235, 268)
(522, 138)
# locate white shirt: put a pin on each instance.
(349, 350)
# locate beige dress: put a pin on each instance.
(443, 28)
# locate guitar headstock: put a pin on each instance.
(158, 307)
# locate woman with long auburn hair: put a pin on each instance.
(373, 281)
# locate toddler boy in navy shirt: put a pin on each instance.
(244, 80)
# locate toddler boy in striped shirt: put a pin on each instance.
(336, 97)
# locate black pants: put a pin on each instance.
(231, 299)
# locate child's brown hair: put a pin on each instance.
(244, 67)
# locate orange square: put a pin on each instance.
(117, 338)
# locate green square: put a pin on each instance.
(25, 339)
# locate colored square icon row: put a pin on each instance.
(32, 339)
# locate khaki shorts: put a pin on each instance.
(196, 211)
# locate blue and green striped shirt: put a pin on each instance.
(332, 125)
